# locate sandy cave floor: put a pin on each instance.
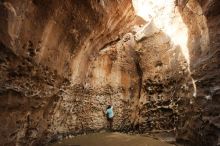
(111, 139)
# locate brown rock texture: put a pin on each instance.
(203, 25)
(61, 62)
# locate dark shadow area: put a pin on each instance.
(203, 129)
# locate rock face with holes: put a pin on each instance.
(63, 62)
(203, 28)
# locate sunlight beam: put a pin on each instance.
(168, 19)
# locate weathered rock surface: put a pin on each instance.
(61, 62)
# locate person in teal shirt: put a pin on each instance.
(110, 114)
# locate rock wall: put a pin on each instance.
(42, 43)
(62, 62)
(203, 25)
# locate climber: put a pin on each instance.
(109, 115)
